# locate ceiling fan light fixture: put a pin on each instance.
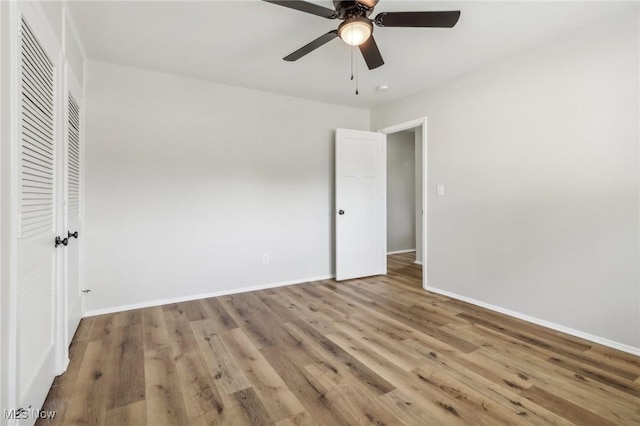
(355, 31)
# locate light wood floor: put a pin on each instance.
(376, 351)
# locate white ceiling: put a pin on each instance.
(242, 42)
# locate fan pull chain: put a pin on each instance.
(352, 62)
(353, 59)
(357, 78)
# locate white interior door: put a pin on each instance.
(37, 309)
(72, 207)
(361, 222)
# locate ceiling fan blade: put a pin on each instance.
(304, 6)
(323, 39)
(444, 19)
(371, 53)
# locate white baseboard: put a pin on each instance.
(596, 339)
(400, 251)
(418, 262)
(167, 301)
(65, 365)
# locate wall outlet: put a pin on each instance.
(265, 258)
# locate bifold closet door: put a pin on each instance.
(73, 162)
(37, 192)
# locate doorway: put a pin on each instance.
(406, 204)
(401, 193)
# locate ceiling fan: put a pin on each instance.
(356, 28)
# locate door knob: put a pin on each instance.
(72, 235)
(63, 241)
(341, 212)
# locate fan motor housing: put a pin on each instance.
(351, 8)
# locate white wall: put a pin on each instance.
(539, 157)
(401, 225)
(189, 182)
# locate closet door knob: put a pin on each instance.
(340, 212)
(74, 235)
(63, 241)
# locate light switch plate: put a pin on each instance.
(440, 190)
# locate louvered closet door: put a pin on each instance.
(74, 303)
(37, 203)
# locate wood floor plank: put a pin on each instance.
(606, 360)
(305, 309)
(413, 321)
(85, 330)
(326, 375)
(506, 402)
(388, 350)
(598, 374)
(242, 313)
(410, 411)
(128, 415)
(165, 403)
(181, 338)
(57, 400)
(217, 313)
(252, 409)
(302, 419)
(154, 329)
(514, 329)
(361, 406)
(129, 318)
(274, 393)
(450, 408)
(410, 304)
(377, 350)
(573, 353)
(512, 323)
(103, 325)
(390, 290)
(337, 359)
(308, 391)
(127, 361)
(564, 408)
(225, 370)
(204, 404)
(609, 354)
(283, 314)
(91, 390)
(602, 400)
(447, 360)
(465, 402)
(532, 369)
(193, 311)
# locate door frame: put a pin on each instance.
(10, 209)
(409, 125)
(7, 108)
